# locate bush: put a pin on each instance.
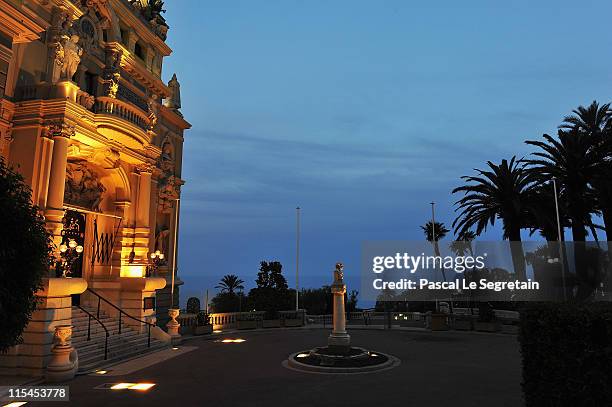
(228, 302)
(25, 250)
(567, 355)
(193, 305)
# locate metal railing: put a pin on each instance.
(121, 313)
(90, 316)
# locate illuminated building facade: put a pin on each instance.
(87, 120)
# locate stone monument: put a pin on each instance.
(339, 340)
(339, 356)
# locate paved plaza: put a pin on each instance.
(437, 369)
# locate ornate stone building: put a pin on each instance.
(97, 134)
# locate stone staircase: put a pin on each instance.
(126, 345)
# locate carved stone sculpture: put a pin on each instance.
(339, 273)
(166, 159)
(162, 240)
(111, 72)
(153, 108)
(83, 187)
(72, 56)
(169, 191)
(174, 101)
(58, 33)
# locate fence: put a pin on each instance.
(239, 320)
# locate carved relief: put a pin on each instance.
(83, 187)
(166, 159)
(59, 129)
(59, 31)
(162, 239)
(169, 191)
(153, 107)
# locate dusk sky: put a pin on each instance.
(361, 113)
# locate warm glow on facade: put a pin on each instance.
(96, 131)
(132, 270)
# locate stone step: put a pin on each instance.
(115, 347)
(128, 344)
(83, 343)
(94, 363)
(81, 334)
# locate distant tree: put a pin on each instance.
(230, 283)
(272, 293)
(351, 301)
(440, 231)
(270, 276)
(228, 302)
(434, 232)
(316, 301)
(25, 251)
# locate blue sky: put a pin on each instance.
(361, 112)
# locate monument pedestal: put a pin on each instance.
(339, 341)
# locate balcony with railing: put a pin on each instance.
(123, 110)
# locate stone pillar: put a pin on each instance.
(339, 340)
(61, 133)
(144, 196)
(38, 350)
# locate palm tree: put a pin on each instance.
(499, 193)
(543, 215)
(596, 122)
(463, 244)
(571, 159)
(440, 231)
(229, 283)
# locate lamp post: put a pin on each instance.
(297, 259)
(173, 325)
(68, 254)
(156, 258)
(559, 235)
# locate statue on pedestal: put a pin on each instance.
(72, 57)
(174, 100)
(339, 340)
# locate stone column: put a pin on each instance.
(61, 133)
(39, 352)
(144, 196)
(339, 340)
(142, 229)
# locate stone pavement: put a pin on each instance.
(437, 369)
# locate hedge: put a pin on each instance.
(567, 355)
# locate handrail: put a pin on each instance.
(122, 312)
(90, 315)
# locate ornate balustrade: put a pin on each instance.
(121, 109)
(85, 99)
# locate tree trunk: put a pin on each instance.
(518, 255)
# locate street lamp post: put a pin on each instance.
(561, 251)
(68, 254)
(297, 259)
(156, 259)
